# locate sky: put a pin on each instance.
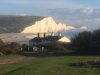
(33, 7)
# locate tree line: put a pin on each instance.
(86, 42)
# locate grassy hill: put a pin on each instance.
(15, 24)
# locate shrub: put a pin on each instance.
(55, 47)
(9, 48)
(95, 64)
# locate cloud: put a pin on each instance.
(97, 20)
(22, 14)
(84, 27)
(88, 11)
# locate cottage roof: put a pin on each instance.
(64, 39)
(48, 38)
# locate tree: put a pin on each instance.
(82, 41)
(96, 39)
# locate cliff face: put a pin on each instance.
(46, 25)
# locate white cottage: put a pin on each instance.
(40, 42)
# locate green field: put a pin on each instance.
(54, 65)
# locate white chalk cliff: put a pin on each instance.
(46, 25)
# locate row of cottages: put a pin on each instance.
(38, 43)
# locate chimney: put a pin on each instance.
(52, 34)
(38, 35)
(59, 34)
(44, 35)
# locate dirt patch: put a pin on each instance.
(15, 59)
(94, 64)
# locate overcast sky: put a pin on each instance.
(23, 7)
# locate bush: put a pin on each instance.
(1, 54)
(95, 64)
(25, 47)
(9, 48)
(55, 47)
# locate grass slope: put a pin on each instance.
(50, 66)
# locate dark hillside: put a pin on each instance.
(15, 24)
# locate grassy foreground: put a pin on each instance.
(55, 65)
